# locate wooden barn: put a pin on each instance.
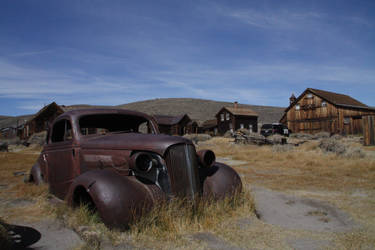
(174, 125)
(233, 118)
(318, 110)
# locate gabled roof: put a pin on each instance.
(239, 111)
(337, 99)
(333, 98)
(169, 120)
(52, 104)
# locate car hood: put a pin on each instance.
(133, 141)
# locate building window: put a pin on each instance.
(228, 116)
(222, 117)
(242, 126)
(297, 107)
(324, 104)
(346, 120)
(309, 95)
(230, 125)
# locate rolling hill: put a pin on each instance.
(199, 109)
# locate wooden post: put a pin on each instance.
(368, 130)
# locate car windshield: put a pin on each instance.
(114, 123)
(267, 126)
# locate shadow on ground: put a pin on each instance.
(22, 237)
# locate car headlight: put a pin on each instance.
(143, 162)
(206, 158)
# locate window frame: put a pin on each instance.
(64, 136)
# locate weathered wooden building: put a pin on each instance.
(233, 118)
(13, 126)
(318, 110)
(41, 120)
(174, 125)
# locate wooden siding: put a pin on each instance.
(180, 128)
(369, 130)
(313, 117)
(235, 122)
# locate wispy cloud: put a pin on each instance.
(281, 19)
(30, 53)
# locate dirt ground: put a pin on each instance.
(304, 199)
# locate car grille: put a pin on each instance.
(182, 165)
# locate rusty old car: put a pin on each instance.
(116, 161)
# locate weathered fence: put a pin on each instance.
(368, 130)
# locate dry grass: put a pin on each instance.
(346, 181)
(172, 220)
(305, 166)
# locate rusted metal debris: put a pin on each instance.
(118, 162)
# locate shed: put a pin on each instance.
(318, 110)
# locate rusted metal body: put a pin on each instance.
(368, 130)
(317, 110)
(106, 158)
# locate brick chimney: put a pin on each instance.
(235, 105)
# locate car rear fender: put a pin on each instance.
(118, 199)
(220, 181)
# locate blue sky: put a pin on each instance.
(115, 52)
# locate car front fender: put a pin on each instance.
(220, 181)
(118, 199)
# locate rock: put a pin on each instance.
(300, 213)
(212, 241)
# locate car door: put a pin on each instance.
(61, 158)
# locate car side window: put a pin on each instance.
(62, 131)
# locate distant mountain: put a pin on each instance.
(199, 109)
(2, 117)
(14, 121)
